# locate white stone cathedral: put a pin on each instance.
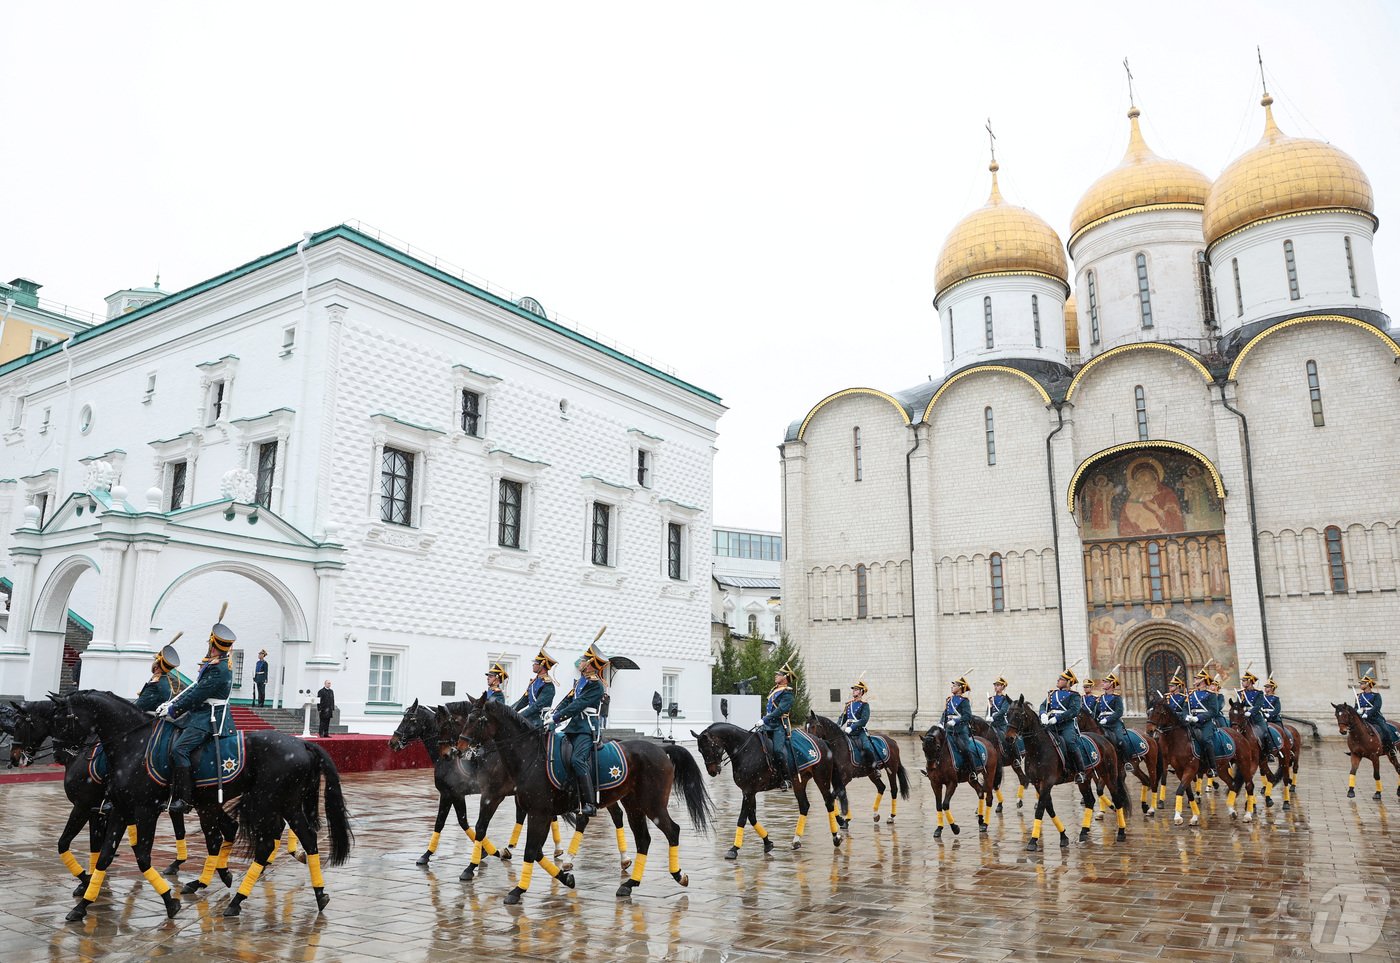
(1193, 467)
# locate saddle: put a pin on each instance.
(879, 750)
(1133, 745)
(1088, 752)
(609, 762)
(231, 755)
(979, 754)
(1223, 745)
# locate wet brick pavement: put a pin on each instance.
(1224, 891)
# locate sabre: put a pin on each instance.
(223, 715)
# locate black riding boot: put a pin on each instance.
(587, 796)
(1208, 757)
(181, 790)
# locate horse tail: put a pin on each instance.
(337, 816)
(903, 776)
(692, 783)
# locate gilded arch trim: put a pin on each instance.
(1307, 319)
(978, 369)
(847, 392)
(1139, 346)
(1097, 457)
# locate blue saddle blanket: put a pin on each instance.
(97, 765)
(803, 751)
(1134, 744)
(1088, 752)
(610, 763)
(979, 753)
(232, 756)
(1223, 745)
(881, 748)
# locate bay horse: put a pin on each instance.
(279, 784)
(844, 756)
(1178, 753)
(1363, 742)
(943, 777)
(645, 792)
(1045, 771)
(1007, 755)
(746, 753)
(1290, 749)
(1146, 768)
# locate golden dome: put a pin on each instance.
(1285, 175)
(999, 238)
(1142, 179)
(1071, 324)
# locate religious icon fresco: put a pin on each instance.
(1137, 494)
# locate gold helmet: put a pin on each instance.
(547, 660)
(1111, 680)
(498, 669)
(1069, 676)
(961, 683)
(860, 685)
(1249, 677)
(786, 671)
(1001, 681)
(595, 658)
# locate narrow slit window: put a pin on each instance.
(179, 471)
(991, 437)
(1035, 317)
(1336, 562)
(1315, 394)
(862, 592)
(673, 550)
(952, 335)
(1351, 266)
(1144, 291)
(1093, 309)
(1140, 398)
(998, 585)
(855, 437)
(1292, 264)
(1154, 571)
(1239, 293)
(987, 318)
(267, 473)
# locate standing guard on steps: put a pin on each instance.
(854, 718)
(535, 704)
(778, 726)
(577, 718)
(1254, 702)
(957, 725)
(496, 677)
(1060, 712)
(204, 706)
(1368, 707)
(1110, 719)
(1199, 715)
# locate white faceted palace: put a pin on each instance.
(394, 476)
(1182, 458)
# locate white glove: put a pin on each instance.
(846, 729)
(163, 710)
(1045, 718)
(1192, 718)
(1103, 719)
(561, 727)
(989, 717)
(953, 721)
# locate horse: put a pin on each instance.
(1178, 754)
(644, 791)
(1147, 768)
(1290, 749)
(1363, 742)
(745, 750)
(843, 753)
(943, 777)
(1007, 755)
(1045, 771)
(1249, 759)
(278, 784)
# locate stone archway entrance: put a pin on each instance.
(1151, 654)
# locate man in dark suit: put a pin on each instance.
(260, 679)
(325, 699)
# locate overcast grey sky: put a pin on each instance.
(752, 192)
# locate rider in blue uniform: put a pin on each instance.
(205, 716)
(1176, 698)
(854, 718)
(496, 677)
(1089, 699)
(776, 724)
(1368, 706)
(539, 694)
(577, 718)
(997, 705)
(957, 724)
(1200, 716)
(156, 692)
(1254, 702)
(1273, 709)
(1060, 712)
(1109, 715)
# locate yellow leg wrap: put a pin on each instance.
(940, 817)
(894, 805)
(999, 798)
(1020, 793)
(1195, 808)
(1285, 793)
(801, 825)
(1059, 826)
(1122, 820)
(847, 815)
(206, 873)
(526, 871)
(276, 845)
(1088, 819)
(673, 859)
(158, 882)
(94, 885)
(554, 828)
(575, 842)
(71, 861)
(639, 867)
(245, 888)
(831, 821)
(1230, 799)
(476, 855)
(224, 851)
(738, 837)
(1162, 793)
(1351, 781)
(549, 866)
(92, 861)
(488, 847)
(433, 841)
(1268, 787)
(313, 864)
(515, 834)
(1179, 801)
(621, 840)
(131, 835)
(879, 798)
(762, 833)
(1105, 803)
(1142, 797)
(1249, 805)
(471, 833)
(1379, 787)
(1035, 829)
(291, 841)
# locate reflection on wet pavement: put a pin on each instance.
(1310, 884)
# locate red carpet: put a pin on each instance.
(51, 773)
(364, 753)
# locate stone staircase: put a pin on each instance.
(284, 720)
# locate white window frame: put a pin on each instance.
(674, 677)
(599, 491)
(211, 374)
(168, 484)
(289, 341)
(149, 394)
(642, 444)
(274, 427)
(48, 338)
(483, 386)
(505, 466)
(400, 656)
(677, 513)
(42, 485)
(183, 448)
(421, 442)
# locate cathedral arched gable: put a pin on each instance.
(1121, 350)
(1254, 342)
(979, 370)
(847, 393)
(1079, 473)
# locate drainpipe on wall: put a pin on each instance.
(1253, 527)
(1055, 526)
(913, 581)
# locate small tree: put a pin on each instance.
(726, 676)
(787, 653)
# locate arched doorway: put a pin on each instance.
(1152, 654)
(1159, 666)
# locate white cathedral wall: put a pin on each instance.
(962, 314)
(1176, 393)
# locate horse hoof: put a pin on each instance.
(1145, 809)
(1064, 841)
(955, 828)
(173, 869)
(78, 912)
(797, 844)
(423, 860)
(514, 895)
(83, 880)
(682, 878)
(625, 890)
(567, 879)
(768, 847)
(1178, 820)
(1287, 806)
(226, 877)
(1195, 820)
(504, 854)
(732, 853)
(938, 832)
(1122, 835)
(1268, 802)
(1033, 845)
(235, 906)
(841, 823)
(626, 864)
(983, 829)
(998, 807)
(1151, 813)
(300, 856)
(468, 875)
(1020, 803)
(890, 819)
(836, 840)
(558, 853)
(172, 906)
(1234, 815)
(1098, 816)
(1376, 796)
(1249, 817)
(877, 817)
(1351, 793)
(1084, 835)
(322, 901)
(192, 887)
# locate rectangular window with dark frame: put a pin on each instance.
(673, 550)
(1239, 291)
(601, 532)
(267, 470)
(998, 585)
(855, 444)
(643, 468)
(991, 437)
(41, 502)
(1315, 394)
(396, 486)
(216, 402)
(1351, 266)
(1336, 562)
(1144, 291)
(179, 471)
(1291, 262)
(1035, 317)
(1154, 571)
(1093, 308)
(509, 500)
(987, 318)
(471, 413)
(1140, 398)
(862, 592)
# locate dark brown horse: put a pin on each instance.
(1179, 755)
(1008, 754)
(744, 749)
(1046, 771)
(943, 778)
(1147, 768)
(841, 750)
(1363, 742)
(1290, 749)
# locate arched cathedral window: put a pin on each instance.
(1292, 264)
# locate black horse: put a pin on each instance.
(1045, 771)
(848, 768)
(753, 775)
(278, 785)
(645, 792)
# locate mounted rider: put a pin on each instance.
(1368, 707)
(957, 725)
(1109, 716)
(1200, 717)
(535, 704)
(203, 712)
(496, 677)
(777, 724)
(1272, 709)
(577, 718)
(997, 705)
(1089, 699)
(1254, 710)
(1060, 713)
(157, 692)
(855, 716)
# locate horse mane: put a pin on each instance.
(110, 700)
(505, 715)
(822, 720)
